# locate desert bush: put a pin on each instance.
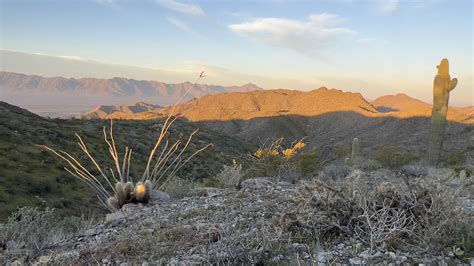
(335, 172)
(308, 163)
(29, 231)
(211, 181)
(179, 188)
(341, 150)
(454, 158)
(285, 163)
(394, 157)
(416, 214)
(231, 175)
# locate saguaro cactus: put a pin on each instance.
(355, 153)
(355, 149)
(442, 85)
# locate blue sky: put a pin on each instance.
(375, 47)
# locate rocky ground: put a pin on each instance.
(247, 225)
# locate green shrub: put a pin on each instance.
(308, 163)
(394, 157)
(454, 158)
(341, 150)
(211, 182)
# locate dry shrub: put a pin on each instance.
(29, 232)
(417, 215)
(231, 175)
(179, 188)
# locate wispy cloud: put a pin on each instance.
(304, 36)
(387, 6)
(179, 23)
(372, 41)
(188, 9)
(106, 2)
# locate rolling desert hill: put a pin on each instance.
(30, 176)
(325, 117)
(108, 110)
(403, 106)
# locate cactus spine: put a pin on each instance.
(443, 84)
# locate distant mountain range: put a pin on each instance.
(15, 83)
(59, 94)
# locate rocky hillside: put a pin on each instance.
(112, 111)
(326, 118)
(30, 176)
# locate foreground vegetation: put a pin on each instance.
(377, 216)
(31, 176)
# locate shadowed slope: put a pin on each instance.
(30, 176)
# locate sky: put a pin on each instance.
(375, 47)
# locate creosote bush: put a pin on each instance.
(454, 158)
(393, 157)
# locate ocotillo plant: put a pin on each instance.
(442, 85)
(166, 158)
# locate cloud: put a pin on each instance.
(106, 2)
(304, 36)
(179, 23)
(188, 9)
(387, 6)
(72, 57)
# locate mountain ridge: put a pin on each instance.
(269, 103)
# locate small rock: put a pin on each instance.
(355, 261)
(159, 196)
(17, 263)
(110, 217)
(209, 192)
(365, 254)
(90, 232)
(256, 183)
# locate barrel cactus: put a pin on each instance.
(443, 84)
(126, 193)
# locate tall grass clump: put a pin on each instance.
(116, 187)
